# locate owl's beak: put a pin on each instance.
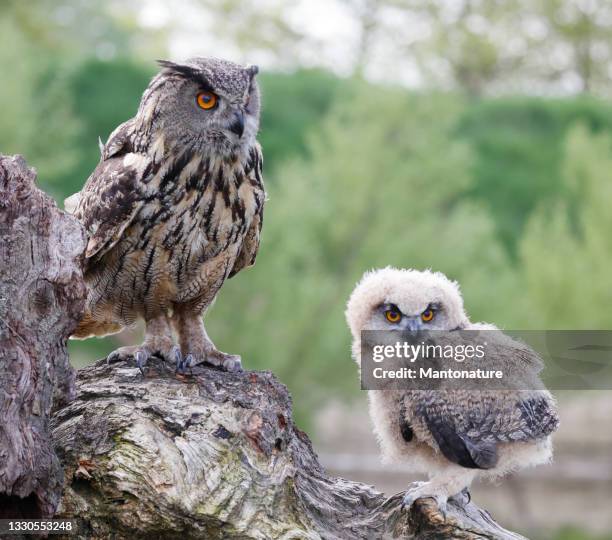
(237, 125)
(253, 70)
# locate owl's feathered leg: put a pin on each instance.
(440, 488)
(158, 342)
(197, 347)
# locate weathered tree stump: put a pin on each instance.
(41, 296)
(217, 455)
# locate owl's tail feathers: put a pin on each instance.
(91, 327)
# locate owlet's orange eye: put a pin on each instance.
(393, 316)
(427, 315)
(206, 100)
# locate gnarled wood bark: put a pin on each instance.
(217, 455)
(41, 297)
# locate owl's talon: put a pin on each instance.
(186, 364)
(178, 358)
(141, 360)
(232, 364)
(227, 362)
(189, 361)
(121, 354)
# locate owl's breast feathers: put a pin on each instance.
(164, 211)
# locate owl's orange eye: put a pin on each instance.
(206, 100)
(393, 316)
(427, 315)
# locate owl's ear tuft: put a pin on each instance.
(179, 69)
(253, 70)
(187, 72)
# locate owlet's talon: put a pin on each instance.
(426, 490)
(463, 498)
(411, 495)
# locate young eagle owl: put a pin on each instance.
(451, 435)
(173, 209)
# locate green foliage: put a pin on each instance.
(37, 120)
(565, 259)
(103, 94)
(518, 145)
(293, 105)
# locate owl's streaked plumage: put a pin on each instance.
(451, 435)
(173, 209)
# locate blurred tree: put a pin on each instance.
(37, 120)
(47, 115)
(485, 46)
(566, 261)
(578, 42)
(492, 46)
(367, 14)
(256, 28)
(294, 104)
(471, 43)
(103, 95)
(518, 153)
(82, 28)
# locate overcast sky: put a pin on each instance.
(330, 26)
(333, 31)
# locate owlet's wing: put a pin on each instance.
(468, 425)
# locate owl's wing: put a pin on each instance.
(112, 195)
(467, 426)
(250, 244)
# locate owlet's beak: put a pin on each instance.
(411, 324)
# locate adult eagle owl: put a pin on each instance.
(173, 209)
(451, 435)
